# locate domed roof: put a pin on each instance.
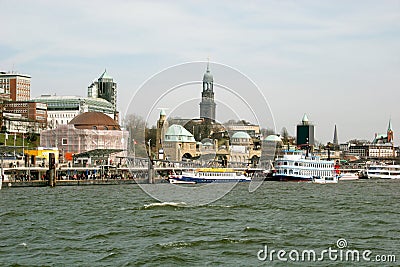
(94, 120)
(242, 135)
(208, 144)
(177, 133)
(273, 138)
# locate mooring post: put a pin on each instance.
(52, 170)
(150, 169)
(150, 172)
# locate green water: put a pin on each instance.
(123, 226)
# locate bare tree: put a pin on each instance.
(285, 136)
(137, 128)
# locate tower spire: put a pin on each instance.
(207, 105)
(390, 132)
(390, 125)
(335, 137)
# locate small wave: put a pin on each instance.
(178, 244)
(251, 229)
(23, 244)
(183, 244)
(233, 206)
(165, 204)
(108, 256)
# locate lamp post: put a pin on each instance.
(150, 167)
(134, 150)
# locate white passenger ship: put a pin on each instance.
(209, 175)
(295, 165)
(383, 171)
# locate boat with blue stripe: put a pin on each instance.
(210, 175)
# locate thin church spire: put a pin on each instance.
(335, 137)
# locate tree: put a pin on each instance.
(136, 126)
(285, 136)
(266, 131)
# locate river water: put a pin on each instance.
(121, 225)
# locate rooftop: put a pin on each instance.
(177, 133)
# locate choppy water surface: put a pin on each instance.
(122, 226)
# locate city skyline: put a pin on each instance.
(335, 61)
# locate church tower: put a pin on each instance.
(207, 104)
(390, 132)
(335, 139)
(162, 126)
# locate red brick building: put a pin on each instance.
(17, 86)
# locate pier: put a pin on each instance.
(136, 170)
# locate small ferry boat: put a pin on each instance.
(325, 180)
(383, 171)
(210, 175)
(295, 165)
(348, 176)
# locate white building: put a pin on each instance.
(62, 109)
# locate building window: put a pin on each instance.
(64, 141)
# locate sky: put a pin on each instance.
(337, 61)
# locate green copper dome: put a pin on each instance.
(177, 133)
(242, 135)
(273, 138)
(208, 78)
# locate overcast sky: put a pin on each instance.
(337, 61)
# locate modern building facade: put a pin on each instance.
(104, 87)
(16, 85)
(23, 117)
(207, 104)
(27, 109)
(305, 132)
(62, 109)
